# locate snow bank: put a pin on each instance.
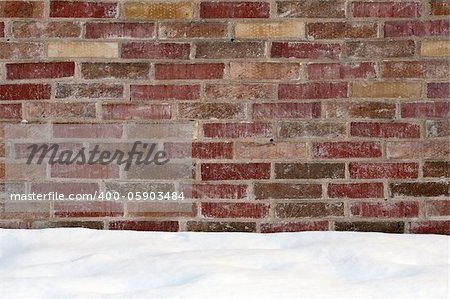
(80, 263)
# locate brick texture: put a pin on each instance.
(307, 114)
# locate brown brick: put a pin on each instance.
(41, 70)
(271, 150)
(309, 209)
(239, 9)
(418, 149)
(380, 49)
(379, 226)
(356, 190)
(436, 169)
(346, 149)
(197, 71)
(438, 128)
(385, 209)
(417, 28)
(287, 191)
(311, 129)
(145, 225)
(305, 50)
(278, 227)
(309, 170)
(45, 29)
(234, 210)
(386, 9)
(270, 29)
(136, 112)
(221, 91)
(67, 223)
(209, 226)
(21, 9)
(384, 130)
(438, 207)
(59, 111)
(339, 109)
(161, 209)
(420, 189)
(430, 227)
(192, 30)
(71, 9)
(119, 30)
(435, 48)
(235, 171)
(151, 50)
(312, 91)
(211, 110)
(237, 130)
(229, 50)
(416, 69)
(264, 71)
(353, 70)
(383, 170)
(20, 50)
(332, 30)
(387, 90)
(165, 92)
(440, 8)
(89, 90)
(17, 92)
(286, 110)
(158, 11)
(311, 9)
(134, 71)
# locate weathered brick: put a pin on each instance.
(11, 111)
(386, 9)
(192, 30)
(378, 226)
(380, 49)
(115, 70)
(161, 209)
(216, 191)
(435, 48)
(221, 91)
(425, 110)
(430, 227)
(278, 227)
(386, 90)
(237, 130)
(436, 169)
(438, 90)
(312, 91)
(309, 170)
(67, 223)
(340, 30)
(197, 71)
(385, 209)
(88, 171)
(45, 29)
(305, 50)
(346, 149)
(241, 9)
(383, 170)
(59, 111)
(286, 110)
(353, 70)
(20, 50)
(144, 225)
(211, 110)
(17, 92)
(356, 190)
(420, 189)
(165, 92)
(384, 130)
(146, 50)
(423, 149)
(210, 226)
(87, 130)
(88, 209)
(438, 208)
(440, 8)
(273, 29)
(199, 150)
(21, 9)
(119, 30)
(415, 69)
(264, 71)
(229, 50)
(438, 128)
(372, 110)
(235, 171)
(89, 90)
(287, 191)
(311, 129)
(234, 210)
(271, 150)
(71, 9)
(136, 112)
(311, 9)
(83, 50)
(309, 209)
(42, 70)
(417, 28)
(158, 11)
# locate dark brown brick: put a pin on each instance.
(418, 189)
(309, 209)
(167, 226)
(436, 169)
(134, 71)
(309, 170)
(89, 90)
(380, 226)
(211, 110)
(287, 191)
(278, 227)
(235, 171)
(229, 50)
(234, 210)
(209, 226)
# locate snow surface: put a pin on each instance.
(80, 263)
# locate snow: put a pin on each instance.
(80, 263)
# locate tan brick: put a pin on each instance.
(386, 90)
(83, 49)
(158, 11)
(264, 70)
(271, 150)
(435, 48)
(292, 29)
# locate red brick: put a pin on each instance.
(234, 210)
(425, 110)
(87, 130)
(226, 10)
(311, 9)
(136, 112)
(386, 9)
(149, 50)
(416, 69)
(229, 50)
(305, 50)
(115, 70)
(17, 92)
(2, 29)
(286, 110)
(119, 30)
(440, 7)
(10, 111)
(384, 130)
(192, 30)
(198, 71)
(385, 209)
(347, 149)
(430, 227)
(438, 90)
(89, 90)
(88, 209)
(340, 30)
(417, 28)
(380, 48)
(200, 150)
(356, 190)
(237, 130)
(353, 70)
(278, 227)
(40, 70)
(71, 9)
(20, 50)
(219, 191)
(140, 225)
(165, 92)
(309, 209)
(383, 170)
(438, 208)
(21, 9)
(59, 111)
(235, 171)
(287, 191)
(45, 29)
(220, 91)
(312, 91)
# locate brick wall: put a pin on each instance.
(310, 115)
